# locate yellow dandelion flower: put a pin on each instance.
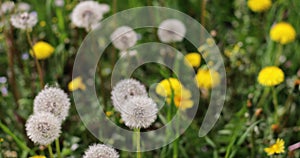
(270, 76)
(38, 156)
(42, 50)
(183, 100)
(76, 84)
(194, 59)
(259, 5)
(207, 78)
(43, 23)
(165, 87)
(276, 148)
(283, 33)
(1, 140)
(109, 113)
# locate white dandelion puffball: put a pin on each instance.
(124, 37)
(7, 6)
(171, 30)
(23, 7)
(100, 151)
(124, 90)
(24, 20)
(88, 13)
(139, 111)
(43, 128)
(53, 100)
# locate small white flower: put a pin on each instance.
(171, 30)
(53, 100)
(23, 7)
(124, 90)
(43, 128)
(100, 151)
(59, 3)
(139, 111)
(7, 6)
(124, 37)
(24, 20)
(87, 14)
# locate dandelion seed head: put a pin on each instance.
(23, 7)
(171, 30)
(43, 128)
(87, 14)
(139, 112)
(53, 100)
(7, 6)
(100, 151)
(126, 89)
(124, 37)
(24, 20)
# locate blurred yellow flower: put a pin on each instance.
(1, 140)
(43, 23)
(38, 156)
(283, 33)
(182, 96)
(259, 5)
(207, 79)
(76, 84)
(165, 87)
(276, 148)
(270, 76)
(194, 59)
(42, 50)
(109, 113)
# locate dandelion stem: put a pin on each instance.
(50, 151)
(138, 143)
(57, 148)
(263, 97)
(37, 64)
(279, 52)
(275, 102)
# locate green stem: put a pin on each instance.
(176, 142)
(279, 52)
(263, 97)
(50, 151)
(37, 64)
(138, 143)
(275, 102)
(57, 148)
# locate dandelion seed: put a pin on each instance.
(283, 33)
(43, 128)
(124, 90)
(86, 14)
(53, 100)
(100, 151)
(171, 30)
(270, 76)
(139, 111)
(259, 5)
(124, 37)
(24, 20)
(6, 7)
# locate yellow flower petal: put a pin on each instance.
(207, 78)
(283, 33)
(270, 76)
(193, 59)
(165, 87)
(42, 50)
(259, 5)
(76, 84)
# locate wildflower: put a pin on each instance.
(183, 100)
(139, 111)
(283, 33)
(194, 59)
(276, 148)
(100, 150)
(259, 5)
(42, 50)
(109, 113)
(207, 79)
(24, 20)
(270, 76)
(88, 13)
(53, 100)
(171, 30)
(38, 156)
(43, 23)
(23, 7)
(1, 140)
(76, 84)
(124, 37)
(7, 6)
(43, 128)
(125, 90)
(166, 86)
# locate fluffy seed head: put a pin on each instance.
(53, 100)
(139, 111)
(124, 37)
(100, 151)
(7, 6)
(24, 20)
(125, 90)
(43, 128)
(171, 30)
(23, 7)
(86, 14)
